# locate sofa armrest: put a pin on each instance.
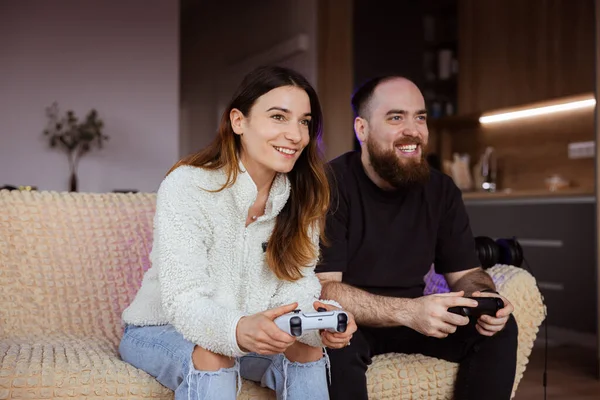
(520, 287)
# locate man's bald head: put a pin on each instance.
(362, 98)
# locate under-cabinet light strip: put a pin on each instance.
(486, 119)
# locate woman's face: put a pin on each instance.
(275, 131)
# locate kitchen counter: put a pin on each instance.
(570, 195)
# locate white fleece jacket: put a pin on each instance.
(208, 269)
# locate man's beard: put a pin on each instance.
(395, 171)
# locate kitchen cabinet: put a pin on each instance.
(558, 236)
(514, 52)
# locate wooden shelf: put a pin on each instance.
(472, 120)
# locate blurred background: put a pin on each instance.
(159, 72)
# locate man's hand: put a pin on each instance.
(337, 340)
(429, 315)
(488, 325)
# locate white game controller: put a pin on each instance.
(296, 322)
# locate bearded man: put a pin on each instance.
(390, 219)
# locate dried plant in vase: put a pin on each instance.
(75, 137)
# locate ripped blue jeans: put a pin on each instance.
(163, 352)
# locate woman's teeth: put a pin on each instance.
(285, 151)
(408, 148)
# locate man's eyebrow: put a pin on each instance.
(404, 112)
(285, 110)
(396, 111)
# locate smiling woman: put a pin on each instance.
(275, 132)
(274, 125)
(236, 241)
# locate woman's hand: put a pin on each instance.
(258, 333)
(337, 340)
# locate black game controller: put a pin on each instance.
(486, 306)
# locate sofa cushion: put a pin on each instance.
(62, 367)
(66, 367)
(71, 262)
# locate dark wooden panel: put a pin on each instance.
(513, 52)
(335, 72)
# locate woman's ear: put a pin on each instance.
(236, 117)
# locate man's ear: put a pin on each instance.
(361, 129)
(237, 121)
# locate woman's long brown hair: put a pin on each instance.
(290, 247)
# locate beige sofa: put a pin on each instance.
(71, 262)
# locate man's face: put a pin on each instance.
(394, 133)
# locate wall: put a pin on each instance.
(118, 57)
(221, 39)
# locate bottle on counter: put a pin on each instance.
(460, 173)
(488, 170)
